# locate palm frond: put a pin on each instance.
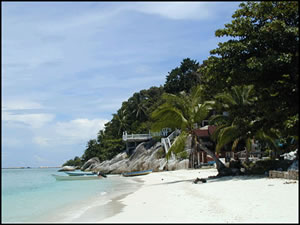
(248, 91)
(235, 143)
(178, 145)
(201, 112)
(226, 98)
(196, 95)
(167, 116)
(248, 144)
(181, 102)
(269, 138)
(216, 133)
(226, 135)
(218, 119)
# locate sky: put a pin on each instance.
(68, 66)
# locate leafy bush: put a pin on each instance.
(263, 166)
(182, 155)
(77, 162)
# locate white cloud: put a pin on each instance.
(179, 10)
(35, 120)
(21, 105)
(42, 141)
(77, 131)
(80, 129)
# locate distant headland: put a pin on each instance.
(28, 167)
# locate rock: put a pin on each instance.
(294, 166)
(144, 157)
(67, 168)
(183, 164)
(90, 164)
(291, 155)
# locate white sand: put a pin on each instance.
(172, 197)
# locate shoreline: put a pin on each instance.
(103, 205)
(171, 196)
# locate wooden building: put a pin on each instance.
(198, 156)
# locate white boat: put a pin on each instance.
(83, 177)
(80, 173)
(137, 173)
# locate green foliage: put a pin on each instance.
(76, 162)
(241, 122)
(182, 78)
(264, 52)
(180, 111)
(178, 146)
(91, 150)
(133, 117)
(182, 155)
(253, 76)
(263, 166)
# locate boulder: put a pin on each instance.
(290, 155)
(183, 164)
(144, 157)
(90, 164)
(67, 168)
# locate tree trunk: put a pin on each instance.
(220, 164)
(247, 156)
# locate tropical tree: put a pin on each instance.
(262, 50)
(139, 105)
(91, 150)
(74, 162)
(240, 123)
(120, 117)
(182, 112)
(182, 78)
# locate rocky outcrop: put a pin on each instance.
(290, 155)
(145, 156)
(90, 164)
(67, 168)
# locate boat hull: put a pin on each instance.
(80, 173)
(84, 177)
(138, 173)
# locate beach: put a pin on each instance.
(171, 197)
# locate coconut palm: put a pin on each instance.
(121, 118)
(183, 112)
(240, 124)
(140, 109)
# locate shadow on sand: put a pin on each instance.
(213, 179)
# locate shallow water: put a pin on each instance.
(34, 195)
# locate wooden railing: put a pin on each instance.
(141, 137)
(136, 136)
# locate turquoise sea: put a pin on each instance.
(34, 195)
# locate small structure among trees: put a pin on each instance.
(132, 140)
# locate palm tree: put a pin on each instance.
(183, 112)
(241, 122)
(140, 108)
(121, 118)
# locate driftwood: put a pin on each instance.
(199, 180)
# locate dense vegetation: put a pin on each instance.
(261, 55)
